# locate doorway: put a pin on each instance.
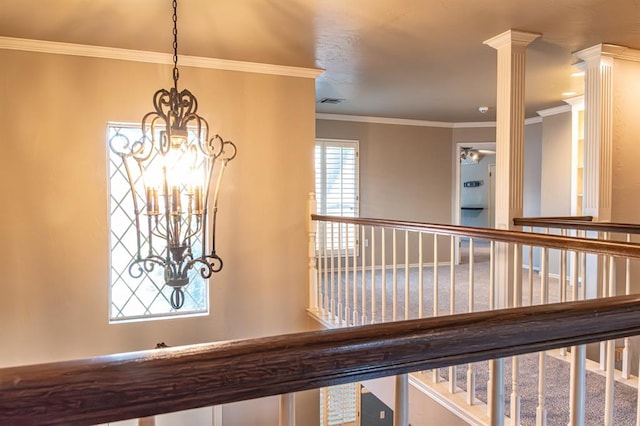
(475, 191)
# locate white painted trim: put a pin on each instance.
(42, 46)
(608, 50)
(383, 120)
(457, 408)
(419, 123)
(555, 110)
(576, 101)
(511, 38)
(474, 124)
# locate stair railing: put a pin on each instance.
(368, 271)
(142, 384)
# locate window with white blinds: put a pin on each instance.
(337, 175)
(339, 405)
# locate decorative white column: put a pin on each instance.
(598, 130)
(511, 47)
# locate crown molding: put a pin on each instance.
(511, 38)
(383, 120)
(473, 124)
(42, 46)
(554, 111)
(420, 123)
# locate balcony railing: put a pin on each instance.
(368, 271)
(141, 384)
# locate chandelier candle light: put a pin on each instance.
(177, 162)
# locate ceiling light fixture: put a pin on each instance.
(174, 183)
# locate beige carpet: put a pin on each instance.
(557, 371)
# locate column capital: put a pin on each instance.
(603, 50)
(511, 38)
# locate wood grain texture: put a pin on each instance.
(582, 225)
(588, 245)
(145, 383)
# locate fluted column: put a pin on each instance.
(598, 131)
(511, 47)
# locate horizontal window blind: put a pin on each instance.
(337, 192)
(339, 405)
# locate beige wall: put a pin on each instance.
(555, 173)
(405, 174)
(625, 205)
(53, 227)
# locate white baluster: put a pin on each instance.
(563, 281)
(530, 274)
(401, 413)
(395, 276)
(347, 313)
(406, 275)
(492, 276)
(373, 275)
(626, 359)
(355, 275)
(436, 379)
(563, 273)
(578, 370)
(452, 305)
(605, 292)
(332, 305)
(287, 410)
(610, 359)
(496, 392)
(363, 302)
(420, 278)
(471, 378)
(541, 411)
(515, 361)
(325, 283)
(340, 307)
(577, 387)
(383, 244)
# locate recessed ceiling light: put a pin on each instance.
(577, 74)
(569, 93)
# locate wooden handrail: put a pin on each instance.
(589, 245)
(622, 228)
(142, 384)
(545, 218)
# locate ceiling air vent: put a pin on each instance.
(333, 101)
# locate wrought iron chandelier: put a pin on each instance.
(180, 171)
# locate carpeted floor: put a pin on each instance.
(557, 371)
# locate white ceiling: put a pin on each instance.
(416, 59)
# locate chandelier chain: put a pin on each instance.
(176, 73)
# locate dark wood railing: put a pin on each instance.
(578, 223)
(141, 384)
(590, 245)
